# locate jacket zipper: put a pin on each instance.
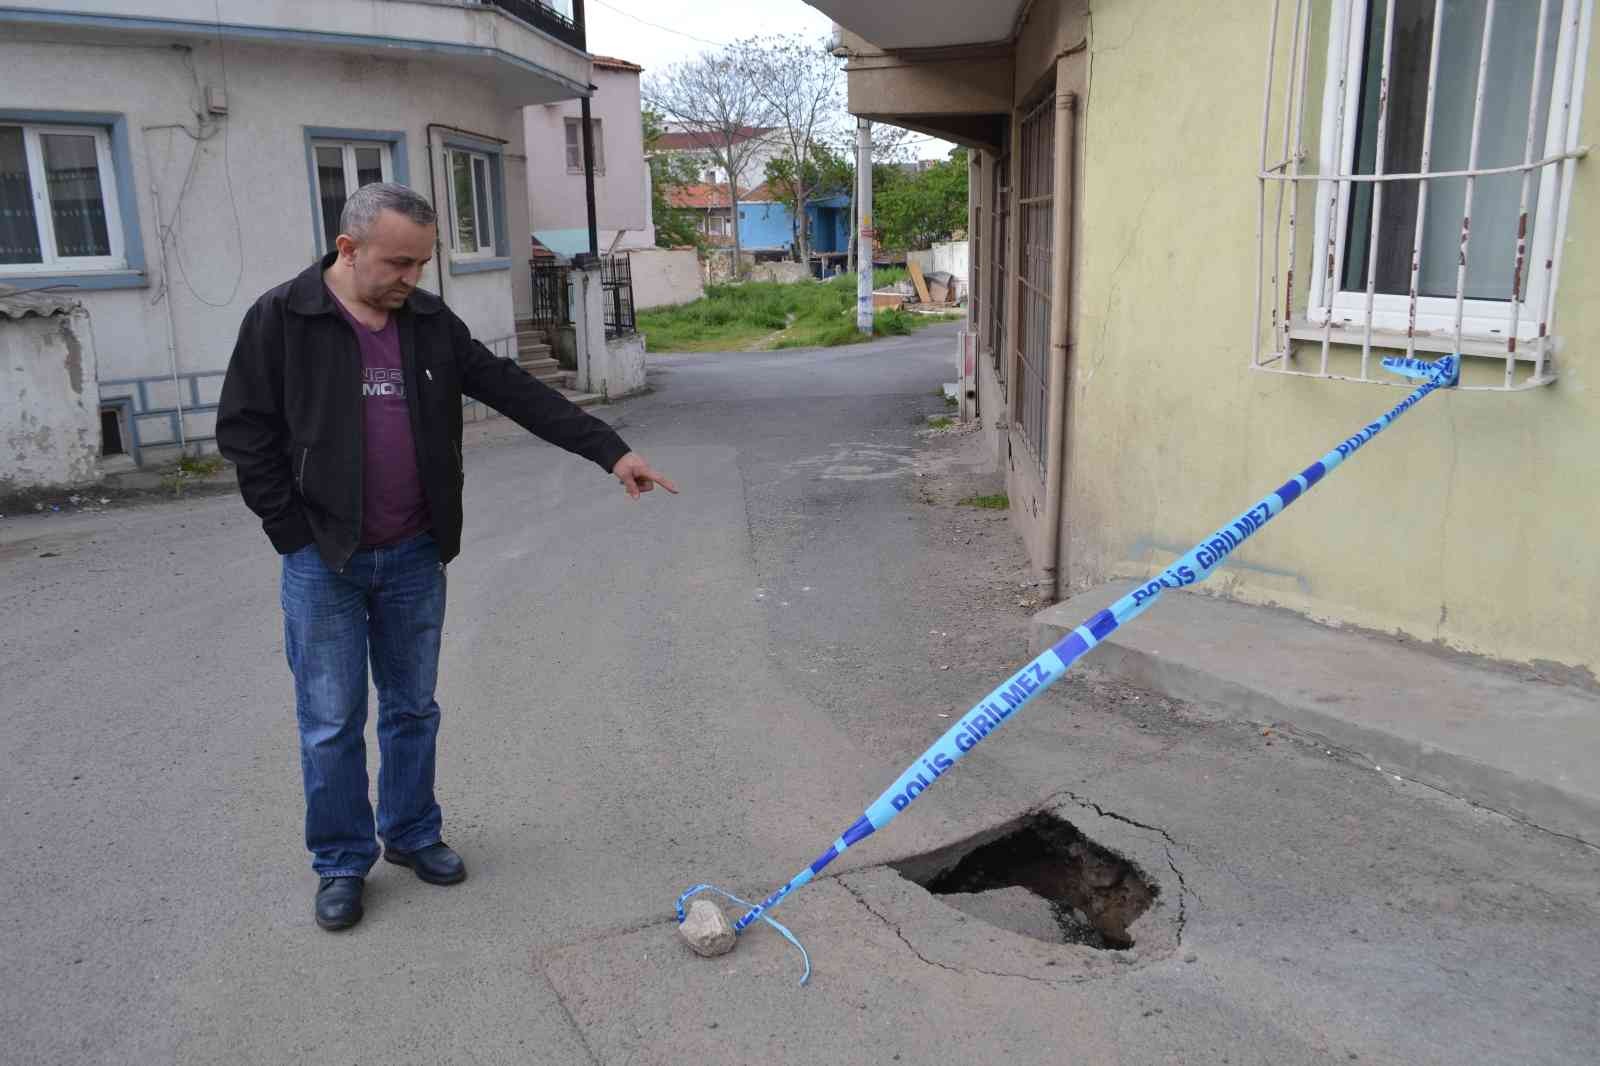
(300, 478)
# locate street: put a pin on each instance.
(710, 687)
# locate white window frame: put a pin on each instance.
(483, 210)
(1481, 319)
(574, 125)
(348, 148)
(50, 262)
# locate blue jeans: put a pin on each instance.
(387, 605)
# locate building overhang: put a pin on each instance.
(524, 64)
(901, 25)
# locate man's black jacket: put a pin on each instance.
(291, 414)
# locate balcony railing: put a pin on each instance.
(545, 17)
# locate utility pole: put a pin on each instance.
(864, 231)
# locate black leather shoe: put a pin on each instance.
(339, 902)
(435, 864)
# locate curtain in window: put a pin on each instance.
(19, 227)
(465, 210)
(1496, 199)
(331, 189)
(574, 146)
(77, 205)
(480, 185)
(369, 166)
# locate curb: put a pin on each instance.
(1556, 727)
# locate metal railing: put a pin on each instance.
(550, 301)
(616, 282)
(545, 17)
(1000, 224)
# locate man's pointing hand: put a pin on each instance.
(637, 476)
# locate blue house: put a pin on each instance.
(766, 225)
(828, 221)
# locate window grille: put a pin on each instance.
(616, 280)
(550, 305)
(1035, 202)
(997, 304)
(1433, 169)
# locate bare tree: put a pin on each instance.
(713, 97)
(800, 82)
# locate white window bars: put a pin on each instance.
(1438, 199)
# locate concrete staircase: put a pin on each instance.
(535, 355)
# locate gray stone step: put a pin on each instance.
(534, 351)
(538, 367)
(582, 399)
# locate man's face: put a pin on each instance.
(388, 262)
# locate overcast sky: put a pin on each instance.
(658, 33)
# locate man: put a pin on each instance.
(342, 410)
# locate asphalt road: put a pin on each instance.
(642, 696)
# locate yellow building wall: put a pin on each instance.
(1473, 522)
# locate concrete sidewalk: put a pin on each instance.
(1492, 735)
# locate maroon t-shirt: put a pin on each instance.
(393, 507)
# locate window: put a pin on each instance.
(471, 204)
(1466, 261)
(59, 207)
(575, 146)
(999, 227)
(342, 167)
(1036, 206)
(111, 431)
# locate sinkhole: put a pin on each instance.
(1041, 877)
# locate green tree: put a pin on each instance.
(913, 211)
(826, 173)
(674, 227)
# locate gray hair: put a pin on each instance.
(369, 201)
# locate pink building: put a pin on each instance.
(557, 210)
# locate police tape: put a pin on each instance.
(995, 709)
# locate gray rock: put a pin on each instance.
(707, 930)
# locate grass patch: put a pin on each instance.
(769, 314)
(998, 501)
(941, 422)
(200, 465)
(190, 469)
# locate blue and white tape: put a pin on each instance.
(1000, 705)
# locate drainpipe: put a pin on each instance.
(172, 321)
(587, 133)
(440, 211)
(1060, 321)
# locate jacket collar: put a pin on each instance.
(309, 295)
